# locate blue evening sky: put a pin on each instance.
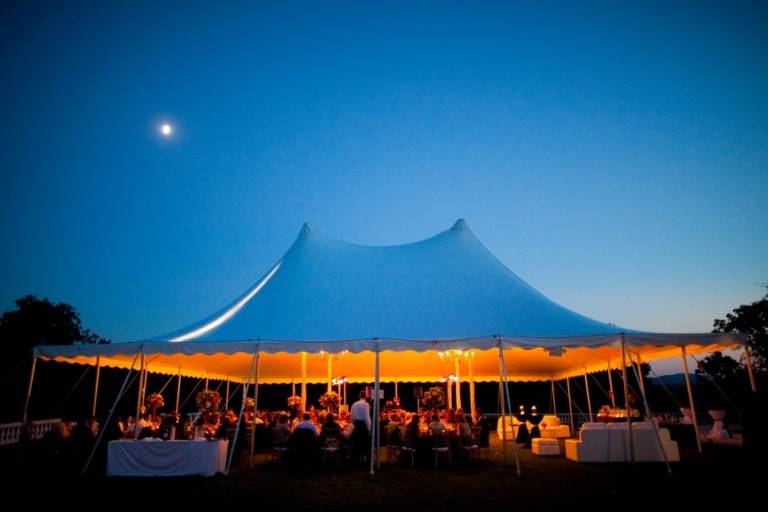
(614, 155)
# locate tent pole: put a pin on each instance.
(109, 416)
(471, 387)
(640, 378)
(589, 399)
(29, 387)
(242, 409)
(502, 392)
(509, 402)
(330, 372)
(138, 398)
(449, 389)
(690, 398)
(570, 403)
(610, 384)
(457, 366)
(649, 415)
(397, 395)
(554, 402)
(375, 419)
(96, 386)
(303, 381)
(630, 441)
(226, 397)
(178, 391)
(206, 382)
(255, 402)
(750, 370)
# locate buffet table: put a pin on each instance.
(154, 457)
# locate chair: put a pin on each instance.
(442, 448)
(407, 446)
(331, 447)
(393, 444)
(472, 445)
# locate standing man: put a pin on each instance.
(360, 415)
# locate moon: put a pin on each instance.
(166, 129)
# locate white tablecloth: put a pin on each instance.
(166, 458)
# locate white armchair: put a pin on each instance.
(550, 427)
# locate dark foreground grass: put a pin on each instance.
(720, 474)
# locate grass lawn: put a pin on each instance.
(546, 482)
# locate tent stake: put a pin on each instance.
(690, 398)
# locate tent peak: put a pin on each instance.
(306, 229)
(460, 225)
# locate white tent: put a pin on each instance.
(446, 292)
(411, 312)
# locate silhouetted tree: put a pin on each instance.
(39, 322)
(752, 321)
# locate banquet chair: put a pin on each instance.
(442, 448)
(472, 445)
(407, 446)
(393, 444)
(331, 447)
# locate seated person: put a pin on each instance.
(331, 429)
(436, 426)
(306, 424)
(281, 433)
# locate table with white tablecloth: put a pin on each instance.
(151, 457)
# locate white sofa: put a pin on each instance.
(600, 442)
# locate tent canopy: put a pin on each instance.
(409, 301)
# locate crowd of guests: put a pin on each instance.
(350, 429)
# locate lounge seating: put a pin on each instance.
(550, 427)
(512, 425)
(545, 446)
(599, 442)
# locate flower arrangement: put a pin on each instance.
(208, 401)
(250, 403)
(330, 401)
(294, 401)
(154, 401)
(434, 398)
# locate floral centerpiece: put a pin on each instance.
(250, 404)
(330, 401)
(434, 398)
(154, 402)
(208, 405)
(294, 401)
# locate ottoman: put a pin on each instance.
(545, 446)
